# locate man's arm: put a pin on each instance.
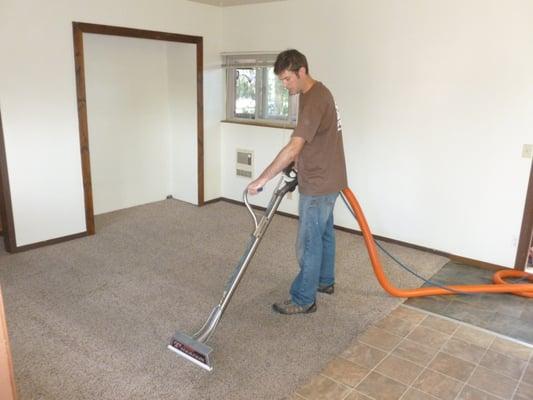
(287, 155)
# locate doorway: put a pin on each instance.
(6, 211)
(78, 30)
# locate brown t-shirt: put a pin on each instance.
(321, 165)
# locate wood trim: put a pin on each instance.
(348, 230)
(526, 231)
(455, 258)
(83, 127)
(6, 209)
(213, 201)
(398, 242)
(8, 390)
(81, 27)
(50, 241)
(200, 117)
(136, 33)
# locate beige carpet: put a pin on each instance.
(90, 318)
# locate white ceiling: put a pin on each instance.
(229, 3)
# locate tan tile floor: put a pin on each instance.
(414, 355)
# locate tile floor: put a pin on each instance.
(412, 354)
(507, 314)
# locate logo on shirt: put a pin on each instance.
(339, 122)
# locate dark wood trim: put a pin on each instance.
(136, 33)
(348, 230)
(6, 209)
(398, 242)
(240, 203)
(79, 28)
(526, 231)
(213, 201)
(340, 228)
(51, 241)
(83, 128)
(452, 257)
(200, 117)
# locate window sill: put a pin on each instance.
(259, 123)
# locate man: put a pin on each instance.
(316, 148)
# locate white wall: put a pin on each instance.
(436, 99)
(128, 119)
(141, 107)
(265, 144)
(38, 100)
(183, 121)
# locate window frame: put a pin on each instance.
(260, 62)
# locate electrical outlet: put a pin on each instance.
(527, 151)
(289, 195)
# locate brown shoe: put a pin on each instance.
(287, 307)
(329, 289)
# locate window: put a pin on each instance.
(254, 92)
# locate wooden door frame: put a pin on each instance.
(6, 209)
(526, 231)
(79, 28)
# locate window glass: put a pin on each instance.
(245, 92)
(254, 93)
(277, 97)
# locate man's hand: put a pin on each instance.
(256, 186)
(287, 155)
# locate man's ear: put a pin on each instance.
(301, 72)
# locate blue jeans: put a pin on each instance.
(315, 247)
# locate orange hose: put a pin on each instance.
(499, 285)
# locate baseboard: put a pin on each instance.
(398, 242)
(213, 201)
(36, 245)
(455, 258)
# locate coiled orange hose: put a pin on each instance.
(499, 285)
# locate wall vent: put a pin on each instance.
(246, 174)
(244, 163)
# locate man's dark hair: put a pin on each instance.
(291, 60)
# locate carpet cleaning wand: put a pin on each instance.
(195, 348)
